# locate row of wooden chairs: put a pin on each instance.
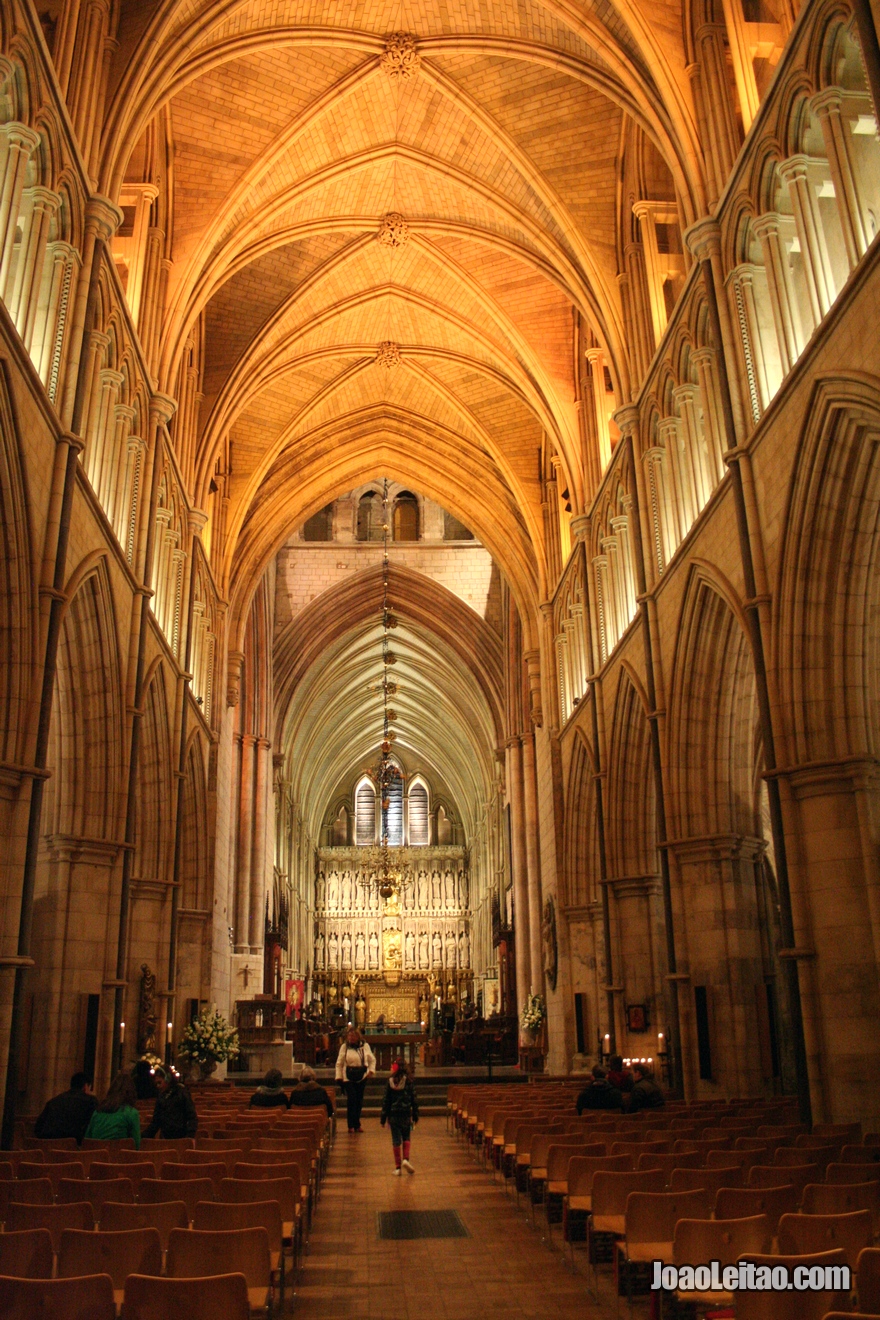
(145, 1297)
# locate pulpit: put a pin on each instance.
(261, 1024)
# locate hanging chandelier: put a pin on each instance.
(385, 774)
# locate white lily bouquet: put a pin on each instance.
(533, 1014)
(209, 1038)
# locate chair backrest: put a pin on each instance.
(28, 1191)
(850, 1173)
(651, 1216)
(804, 1234)
(167, 1143)
(637, 1148)
(525, 1132)
(184, 1172)
(147, 1298)
(727, 1159)
(28, 1254)
(54, 1172)
(723, 1240)
(583, 1168)
(211, 1157)
(842, 1199)
(611, 1190)
(297, 1170)
(868, 1279)
(846, 1131)
(687, 1180)
(759, 1305)
(788, 1156)
(119, 1253)
(223, 1143)
(797, 1175)
(560, 1154)
(54, 1217)
(122, 1169)
(541, 1144)
(283, 1190)
(223, 1216)
(301, 1151)
(71, 1190)
(58, 1299)
(859, 1155)
(116, 1217)
(197, 1253)
(669, 1162)
(746, 1202)
(118, 1143)
(188, 1190)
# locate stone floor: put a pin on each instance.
(501, 1269)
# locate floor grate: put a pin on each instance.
(406, 1225)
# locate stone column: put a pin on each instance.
(513, 770)
(243, 851)
(38, 207)
(259, 867)
(743, 67)
(533, 861)
(837, 134)
(17, 142)
(596, 358)
(795, 173)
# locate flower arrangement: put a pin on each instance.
(209, 1038)
(533, 1014)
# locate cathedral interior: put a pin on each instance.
(485, 392)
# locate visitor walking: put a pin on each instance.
(400, 1109)
(355, 1064)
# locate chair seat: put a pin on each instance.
(258, 1299)
(557, 1188)
(609, 1224)
(648, 1251)
(701, 1300)
(580, 1203)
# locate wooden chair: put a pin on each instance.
(788, 1156)
(859, 1155)
(852, 1173)
(194, 1253)
(54, 1217)
(669, 1162)
(223, 1295)
(299, 1172)
(868, 1279)
(728, 1159)
(797, 1175)
(50, 1143)
(212, 1157)
(97, 1194)
(847, 1132)
(697, 1240)
(54, 1172)
(842, 1199)
(127, 1251)
(31, 1191)
(637, 1148)
(650, 1221)
(188, 1190)
(223, 1143)
(135, 1172)
(287, 1192)
(187, 1172)
(167, 1143)
(119, 1143)
(118, 1217)
(809, 1234)
(18, 1157)
(688, 1180)
(223, 1217)
(28, 1254)
(746, 1202)
(58, 1299)
(704, 1146)
(610, 1192)
(792, 1305)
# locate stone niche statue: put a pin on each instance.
(436, 890)
(393, 951)
(147, 1015)
(346, 891)
(359, 950)
(437, 949)
(346, 949)
(423, 949)
(410, 946)
(423, 891)
(333, 950)
(320, 891)
(333, 892)
(464, 950)
(319, 950)
(360, 1011)
(450, 887)
(374, 951)
(451, 948)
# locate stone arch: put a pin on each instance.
(83, 798)
(153, 828)
(632, 835)
(195, 855)
(712, 732)
(581, 873)
(829, 598)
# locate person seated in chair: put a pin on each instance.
(600, 1094)
(271, 1093)
(646, 1094)
(308, 1092)
(68, 1114)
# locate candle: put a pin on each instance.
(607, 1049)
(660, 1039)
(121, 1033)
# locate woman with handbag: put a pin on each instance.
(354, 1065)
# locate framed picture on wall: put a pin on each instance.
(637, 1017)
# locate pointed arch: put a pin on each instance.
(153, 825)
(581, 873)
(195, 855)
(18, 615)
(632, 834)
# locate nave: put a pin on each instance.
(501, 1269)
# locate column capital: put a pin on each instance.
(704, 239)
(198, 520)
(579, 526)
(19, 135)
(627, 418)
(104, 217)
(162, 408)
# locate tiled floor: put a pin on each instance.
(501, 1269)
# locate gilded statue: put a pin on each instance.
(147, 1015)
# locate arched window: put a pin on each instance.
(419, 824)
(453, 530)
(365, 813)
(369, 521)
(444, 827)
(394, 813)
(320, 526)
(406, 517)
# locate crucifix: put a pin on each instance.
(245, 972)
